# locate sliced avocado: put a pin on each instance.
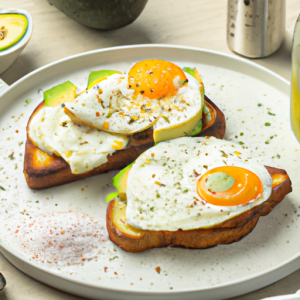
(65, 92)
(120, 183)
(12, 28)
(194, 72)
(207, 115)
(97, 76)
(111, 196)
(197, 129)
(189, 71)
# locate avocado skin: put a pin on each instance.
(101, 14)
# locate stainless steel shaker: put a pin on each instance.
(255, 28)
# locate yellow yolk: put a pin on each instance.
(155, 78)
(229, 186)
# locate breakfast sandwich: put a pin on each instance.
(191, 192)
(116, 118)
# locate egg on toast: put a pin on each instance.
(107, 126)
(192, 192)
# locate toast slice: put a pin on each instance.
(42, 170)
(131, 239)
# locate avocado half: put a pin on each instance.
(101, 14)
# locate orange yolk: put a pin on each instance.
(244, 186)
(154, 78)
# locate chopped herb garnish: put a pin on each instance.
(259, 104)
(21, 143)
(185, 191)
(2, 188)
(113, 258)
(271, 114)
(27, 101)
(164, 164)
(242, 133)
(267, 142)
(157, 195)
(241, 143)
(278, 156)
(267, 124)
(225, 162)
(166, 119)
(223, 154)
(152, 208)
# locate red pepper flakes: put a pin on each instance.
(152, 154)
(115, 273)
(17, 131)
(105, 269)
(97, 114)
(158, 269)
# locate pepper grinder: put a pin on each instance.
(255, 28)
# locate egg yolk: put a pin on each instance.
(155, 78)
(229, 186)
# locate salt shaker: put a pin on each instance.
(255, 28)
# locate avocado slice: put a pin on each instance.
(12, 28)
(97, 76)
(120, 183)
(197, 129)
(194, 72)
(65, 92)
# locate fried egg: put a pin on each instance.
(154, 93)
(82, 147)
(190, 183)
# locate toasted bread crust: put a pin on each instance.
(43, 170)
(227, 232)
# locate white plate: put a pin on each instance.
(269, 253)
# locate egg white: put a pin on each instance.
(118, 112)
(84, 148)
(161, 186)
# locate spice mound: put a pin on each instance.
(61, 238)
